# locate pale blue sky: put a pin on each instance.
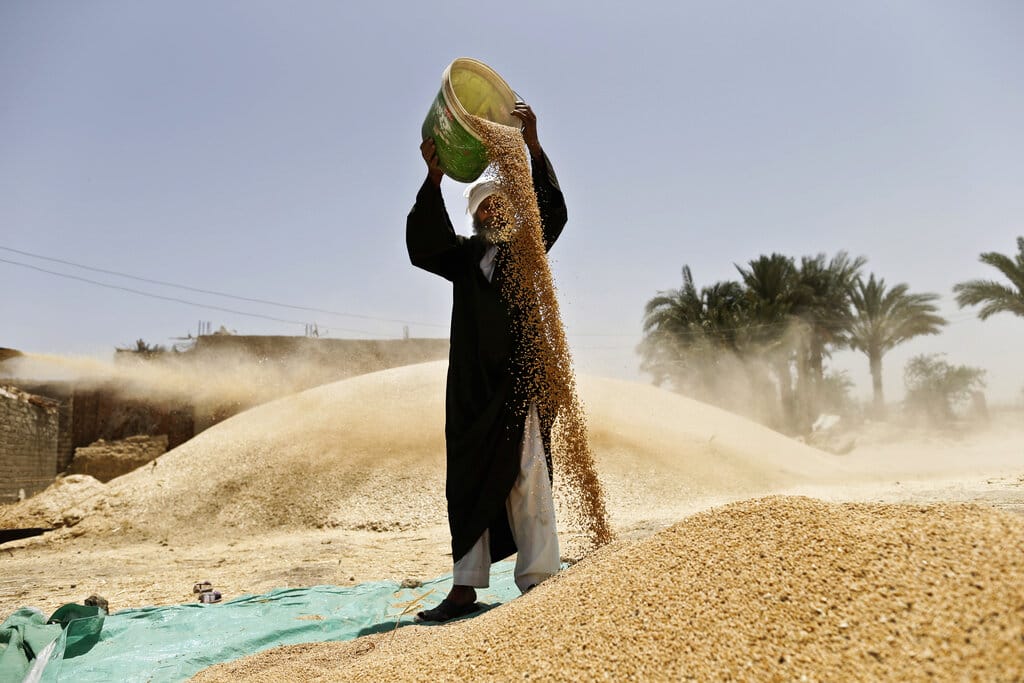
(269, 150)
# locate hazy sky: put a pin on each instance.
(270, 151)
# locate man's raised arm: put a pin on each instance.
(550, 201)
(429, 235)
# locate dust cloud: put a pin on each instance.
(210, 379)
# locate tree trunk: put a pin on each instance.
(805, 401)
(786, 394)
(875, 358)
(817, 362)
(817, 377)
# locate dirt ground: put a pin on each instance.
(47, 572)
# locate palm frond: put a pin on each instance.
(996, 297)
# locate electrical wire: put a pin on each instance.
(164, 283)
(268, 302)
(170, 298)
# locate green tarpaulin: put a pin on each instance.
(29, 641)
(173, 643)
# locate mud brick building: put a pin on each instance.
(29, 435)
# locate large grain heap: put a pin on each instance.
(777, 588)
(545, 363)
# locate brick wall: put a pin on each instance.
(102, 413)
(105, 460)
(29, 428)
(65, 433)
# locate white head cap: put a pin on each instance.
(479, 192)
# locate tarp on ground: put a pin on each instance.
(28, 640)
(174, 642)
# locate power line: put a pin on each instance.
(164, 283)
(219, 308)
(226, 295)
(169, 298)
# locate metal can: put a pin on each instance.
(209, 596)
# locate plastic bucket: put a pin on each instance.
(468, 87)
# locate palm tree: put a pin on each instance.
(827, 313)
(997, 297)
(883, 319)
(773, 290)
(775, 295)
(685, 330)
(670, 320)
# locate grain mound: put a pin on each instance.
(62, 503)
(362, 453)
(781, 588)
(367, 453)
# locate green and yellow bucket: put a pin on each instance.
(468, 87)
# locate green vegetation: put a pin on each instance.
(935, 387)
(143, 350)
(767, 335)
(996, 297)
(885, 318)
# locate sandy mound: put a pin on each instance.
(62, 503)
(368, 453)
(661, 455)
(363, 453)
(106, 460)
(770, 589)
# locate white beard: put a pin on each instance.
(493, 232)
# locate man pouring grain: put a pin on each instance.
(498, 480)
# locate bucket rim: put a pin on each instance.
(458, 110)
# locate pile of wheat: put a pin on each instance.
(778, 588)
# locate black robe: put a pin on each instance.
(484, 418)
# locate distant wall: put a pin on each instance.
(65, 425)
(106, 460)
(29, 427)
(104, 414)
(88, 415)
(339, 358)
